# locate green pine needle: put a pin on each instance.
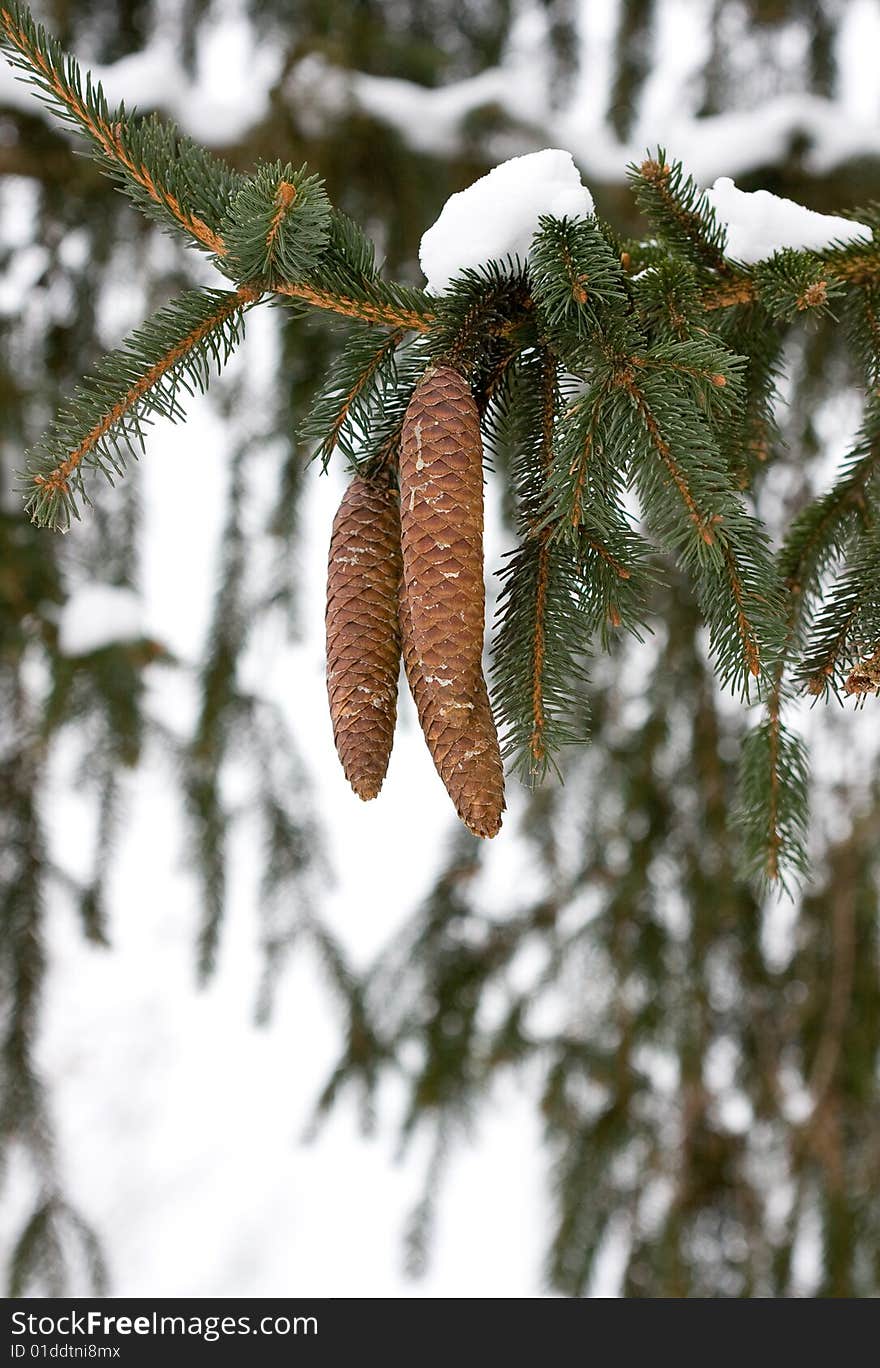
(773, 810)
(847, 626)
(539, 667)
(692, 507)
(103, 422)
(796, 285)
(679, 212)
(169, 177)
(277, 225)
(576, 278)
(544, 623)
(362, 403)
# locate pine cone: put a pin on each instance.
(363, 636)
(443, 599)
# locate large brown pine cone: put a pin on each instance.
(363, 635)
(443, 600)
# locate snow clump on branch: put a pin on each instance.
(497, 216)
(759, 223)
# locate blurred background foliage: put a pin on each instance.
(709, 1100)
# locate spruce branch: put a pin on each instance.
(346, 280)
(541, 642)
(482, 304)
(748, 440)
(277, 225)
(790, 283)
(702, 521)
(690, 502)
(582, 507)
(165, 173)
(542, 626)
(773, 808)
(863, 326)
(615, 577)
(537, 741)
(857, 262)
(793, 283)
(360, 396)
(175, 180)
(372, 302)
(576, 278)
(821, 531)
(667, 298)
(104, 419)
(583, 471)
(838, 525)
(712, 374)
(680, 213)
(848, 621)
(774, 815)
(740, 290)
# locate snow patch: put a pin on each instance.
(759, 223)
(98, 615)
(498, 215)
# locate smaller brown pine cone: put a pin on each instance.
(461, 738)
(363, 634)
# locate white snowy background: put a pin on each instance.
(180, 1122)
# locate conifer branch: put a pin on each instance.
(697, 513)
(773, 809)
(853, 601)
(277, 226)
(364, 310)
(683, 218)
(188, 190)
(482, 307)
(863, 320)
(154, 160)
(601, 550)
(775, 816)
(749, 640)
(739, 290)
(701, 521)
(171, 351)
(543, 627)
(859, 266)
(576, 278)
(579, 464)
(681, 211)
(537, 744)
(826, 530)
(873, 323)
(362, 388)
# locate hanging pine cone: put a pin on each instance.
(363, 636)
(443, 597)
